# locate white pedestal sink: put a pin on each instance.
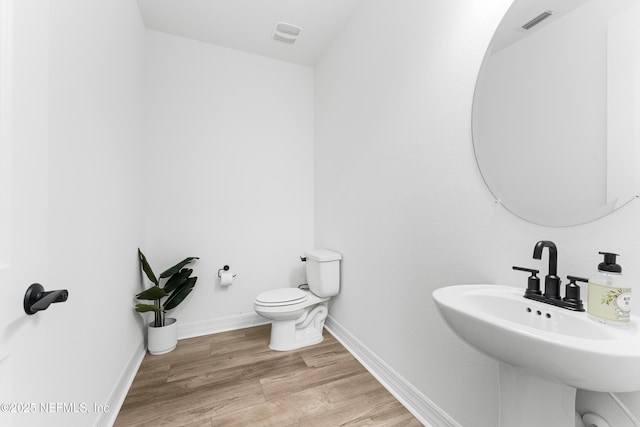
(545, 352)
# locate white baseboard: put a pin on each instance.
(121, 388)
(427, 412)
(213, 326)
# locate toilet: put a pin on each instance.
(297, 316)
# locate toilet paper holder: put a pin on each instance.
(225, 268)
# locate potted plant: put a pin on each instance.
(163, 331)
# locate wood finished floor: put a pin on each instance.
(234, 379)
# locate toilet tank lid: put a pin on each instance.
(322, 255)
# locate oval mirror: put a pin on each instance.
(556, 110)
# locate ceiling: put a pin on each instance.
(247, 25)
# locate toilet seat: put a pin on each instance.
(281, 297)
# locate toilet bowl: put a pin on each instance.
(297, 316)
(297, 319)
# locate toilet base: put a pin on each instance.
(302, 332)
(288, 347)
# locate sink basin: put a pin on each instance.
(545, 352)
(548, 340)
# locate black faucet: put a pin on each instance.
(551, 280)
(551, 295)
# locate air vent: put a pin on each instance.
(286, 33)
(538, 19)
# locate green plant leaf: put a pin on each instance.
(177, 279)
(146, 267)
(153, 293)
(176, 268)
(180, 294)
(143, 308)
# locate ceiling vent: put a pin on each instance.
(538, 19)
(286, 33)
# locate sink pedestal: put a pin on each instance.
(527, 400)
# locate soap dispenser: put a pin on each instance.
(609, 298)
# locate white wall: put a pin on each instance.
(228, 172)
(95, 205)
(398, 192)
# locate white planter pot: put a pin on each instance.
(162, 339)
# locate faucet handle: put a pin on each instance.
(572, 293)
(533, 284)
(533, 271)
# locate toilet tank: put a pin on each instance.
(323, 272)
